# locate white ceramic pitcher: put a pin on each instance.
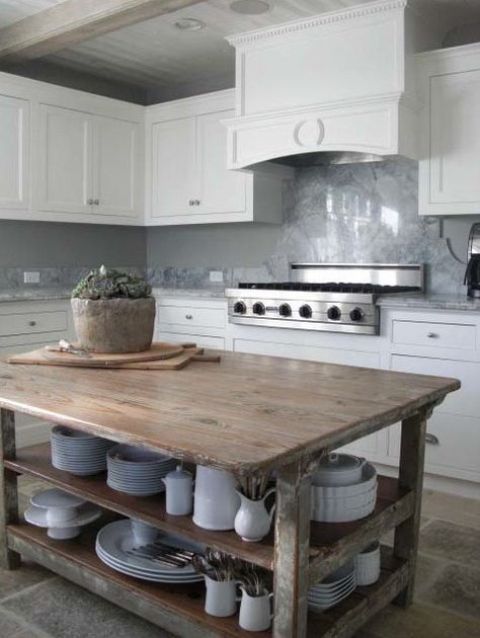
(252, 521)
(255, 612)
(215, 501)
(221, 597)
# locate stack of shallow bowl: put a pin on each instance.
(332, 589)
(77, 452)
(137, 472)
(344, 489)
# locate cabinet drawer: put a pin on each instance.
(202, 341)
(188, 316)
(33, 323)
(434, 334)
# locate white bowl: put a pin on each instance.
(367, 481)
(338, 469)
(367, 565)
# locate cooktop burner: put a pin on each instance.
(330, 287)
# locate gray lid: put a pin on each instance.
(339, 463)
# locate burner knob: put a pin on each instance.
(305, 311)
(239, 308)
(258, 308)
(357, 314)
(334, 313)
(285, 310)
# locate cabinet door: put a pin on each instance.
(450, 176)
(115, 152)
(220, 190)
(65, 161)
(173, 167)
(14, 114)
(453, 444)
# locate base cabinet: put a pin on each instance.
(25, 326)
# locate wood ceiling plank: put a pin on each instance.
(74, 21)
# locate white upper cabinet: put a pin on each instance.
(65, 178)
(187, 177)
(449, 167)
(173, 166)
(116, 166)
(14, 130)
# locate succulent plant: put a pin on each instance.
(103, 283)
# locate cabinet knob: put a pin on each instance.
(191, 202)
(32, 323)
(432, 335)
(188, 316)
(96, 202)
(90, 202)
(432, 439)
(197, 202)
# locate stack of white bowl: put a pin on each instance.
(344, 489)
(77, 452)
(333, 589)
(136, 471)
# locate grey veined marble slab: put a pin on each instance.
(431, 302)
(203, 293)
(34, 294)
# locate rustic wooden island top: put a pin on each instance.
(245, 414)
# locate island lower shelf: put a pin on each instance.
(172, 606)
(332, 544)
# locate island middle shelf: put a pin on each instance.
(331, 543)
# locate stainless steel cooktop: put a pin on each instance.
(331, 297)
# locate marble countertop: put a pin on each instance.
(431, 302)
(34, 294)
(218, 293)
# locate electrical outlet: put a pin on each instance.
(31, 277)
(216, 276)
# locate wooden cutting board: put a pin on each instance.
(158, 352)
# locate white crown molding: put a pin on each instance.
(332, 17)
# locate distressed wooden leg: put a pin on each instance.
(412, 456)
(8, 489)
(292, 544)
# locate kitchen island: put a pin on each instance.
(248, 415)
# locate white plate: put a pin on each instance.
(150, 577)
(56, 498)
(116, 538)
(316, 606)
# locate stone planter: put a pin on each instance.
(114, 325)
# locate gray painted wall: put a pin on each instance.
(28, 244)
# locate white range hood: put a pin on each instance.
(342, 81)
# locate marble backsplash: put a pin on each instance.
(352, 213)
(358, 213)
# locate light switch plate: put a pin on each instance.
(216, 276)
(31, 277)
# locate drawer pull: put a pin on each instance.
(432, 335)
(191, 202)
(32, 323)
(96, 202)
(431, 439)
(188, 316)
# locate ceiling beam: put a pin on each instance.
(74, 21)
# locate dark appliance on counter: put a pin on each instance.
(329, 297)
(472, 274)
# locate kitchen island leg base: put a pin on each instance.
(8, 489)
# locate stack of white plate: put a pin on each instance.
(336, 501)
(77, 452)
(333, 589)
(115, 541)
(137, 472)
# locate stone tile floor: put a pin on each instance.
(34, 603)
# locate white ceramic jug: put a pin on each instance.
(179, 487)
(216, 501)
(255, 612)
(252, 521)
(221, 597)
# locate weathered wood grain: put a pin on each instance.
(248, 413)
(74, 21)
(8, 489)
(410, 476)
(292, 552)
